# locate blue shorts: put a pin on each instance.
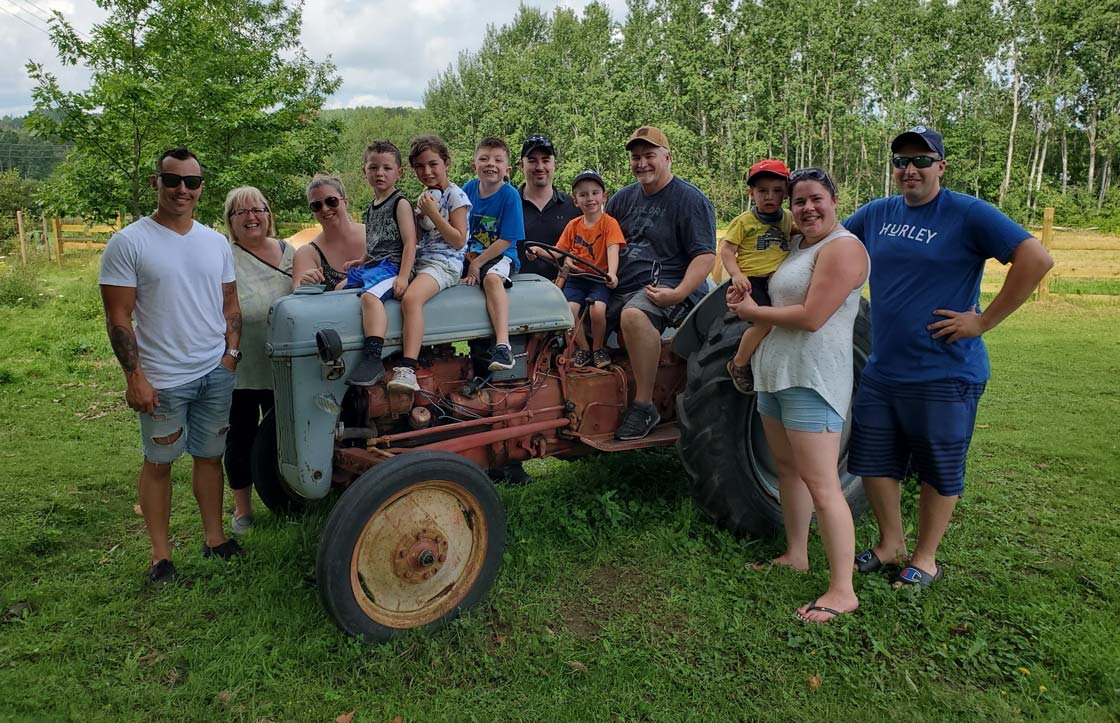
(800, 409)
(377, 279)
(578, 290)
(924, 426)
(198, 411)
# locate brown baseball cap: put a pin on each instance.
(648, 134)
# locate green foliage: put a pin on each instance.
(31, 156)
(814, 82)
(16, 194)
(226, 79)
(21, 286)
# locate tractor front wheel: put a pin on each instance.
(411, 543)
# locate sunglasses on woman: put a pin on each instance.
(901, 162)
(172, 180)
(317, 206)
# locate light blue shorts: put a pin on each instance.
(801, 409)
(198, 411)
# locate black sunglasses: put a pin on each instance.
(901, 162)
(811, 174)
(172, 180)
(317, 206)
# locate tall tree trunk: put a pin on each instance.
(1035, 147)
(1065, 161)
(1092, 147)
(1041, 164)
(1014, 125)
(1106, 180)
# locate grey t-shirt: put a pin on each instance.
(383, 233)
(664, 232)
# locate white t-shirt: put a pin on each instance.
(179, 319)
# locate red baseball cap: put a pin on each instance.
(768, 167)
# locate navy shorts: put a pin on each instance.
(577, 290)
(925, 426)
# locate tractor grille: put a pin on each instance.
(285, 423)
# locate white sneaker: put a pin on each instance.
(404, 380)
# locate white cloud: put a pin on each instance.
(386, 50)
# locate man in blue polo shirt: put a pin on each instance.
(916, 404)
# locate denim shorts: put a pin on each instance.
(578, 290)
(198, 411)
(800, 409)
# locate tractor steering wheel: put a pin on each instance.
(592, 270)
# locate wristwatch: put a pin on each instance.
(235, 353)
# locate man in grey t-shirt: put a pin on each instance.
(177, 278)
(670, 230)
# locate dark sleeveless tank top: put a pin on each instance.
(330, 274)
(383, 234)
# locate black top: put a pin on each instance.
(544, 227)
(331, 275)
(664, 232)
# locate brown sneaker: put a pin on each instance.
(741, 377)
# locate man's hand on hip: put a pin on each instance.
(959, 325)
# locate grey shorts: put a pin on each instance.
(658, 316)
(446, 275)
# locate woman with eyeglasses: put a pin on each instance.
(803, 378)
(263, 265)
(323, 261)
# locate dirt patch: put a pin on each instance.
(608, 591)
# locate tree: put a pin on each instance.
(225, 77)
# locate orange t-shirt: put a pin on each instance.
(590, 242)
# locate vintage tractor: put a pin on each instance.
(419, 532)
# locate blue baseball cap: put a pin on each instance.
(923, 136)
(589, 174)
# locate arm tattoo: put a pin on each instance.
(233, 323)
(123, 341)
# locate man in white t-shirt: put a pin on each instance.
(175, 278)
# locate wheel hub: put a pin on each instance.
(420, 555)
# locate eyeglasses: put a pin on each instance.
(811, 174)
(172, 180)
(317, 206)
(901, 162)
(247, 211)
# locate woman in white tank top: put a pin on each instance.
(803, 378)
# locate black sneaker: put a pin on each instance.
(511, 474)
(639, 421)
(227, 550)
(161, 573)
(370, 371)
(501, 357)
(581, 358)
(601, 358)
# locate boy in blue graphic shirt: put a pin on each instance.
(916, 403)
(495, 227)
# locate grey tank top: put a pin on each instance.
(820, 360)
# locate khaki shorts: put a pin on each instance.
(445, 274)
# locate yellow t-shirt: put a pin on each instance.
(762, 246)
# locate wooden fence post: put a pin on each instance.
(22, 240)
(1047, 242)
(46, 239)
(58, 238)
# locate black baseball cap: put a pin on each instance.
(589, 174)
(923, 136)
(536, 141)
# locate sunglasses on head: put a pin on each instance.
(901, 162)
(811, 174)
(330, 201)
(172, 180)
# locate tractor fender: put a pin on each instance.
(693, 332)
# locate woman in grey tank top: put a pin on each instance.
(803, 378)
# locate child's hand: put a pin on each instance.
(743, 307)
(400, 285)
(741, 283)
(612, 281)
(734, 295)
(532, 251)
(349, 264)
(428, 205)
(474, 272)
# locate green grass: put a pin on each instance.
(617, 600)
(1099, 287)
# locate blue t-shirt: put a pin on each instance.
(924, 258)
(498, 216)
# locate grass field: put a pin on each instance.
(617, 600)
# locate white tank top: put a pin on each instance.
(820, 360)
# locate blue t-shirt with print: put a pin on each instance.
(498, 216)
(924, 258)
(432, 245)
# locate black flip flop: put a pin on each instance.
(820, 608)
(867, 562)
(911, 575)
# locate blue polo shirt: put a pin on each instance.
(924, 258)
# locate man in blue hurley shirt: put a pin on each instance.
(916, 404)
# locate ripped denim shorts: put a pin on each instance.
(192, 417)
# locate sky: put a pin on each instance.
(425, 37)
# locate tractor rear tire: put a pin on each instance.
(413, 542)
(271, 487)
(733, 478)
